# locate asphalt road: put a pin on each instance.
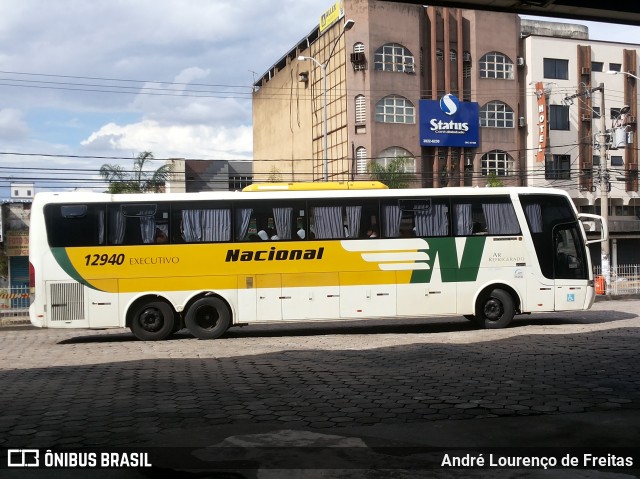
(552, 383)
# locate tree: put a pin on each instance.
(493, 180)
(394, 175)
(139, 180)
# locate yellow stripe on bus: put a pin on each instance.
(319, 186)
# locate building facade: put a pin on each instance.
(399, 61)
(192, 176)
(377, 73)
(588, 92)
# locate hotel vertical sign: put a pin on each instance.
(541, 122)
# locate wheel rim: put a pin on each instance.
(493, 309)
(206, 317)
(151, 320)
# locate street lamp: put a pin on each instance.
(615, 72)
(323, 66)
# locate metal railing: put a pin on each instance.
(14, 305)
(623, 279)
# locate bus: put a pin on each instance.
(161, 262)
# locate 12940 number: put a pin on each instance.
(103, 259)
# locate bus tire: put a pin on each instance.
(152, 321)
(208, 318)
(495, 310)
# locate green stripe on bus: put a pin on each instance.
(446, 251)
(61, 256)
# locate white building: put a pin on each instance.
(569, 74)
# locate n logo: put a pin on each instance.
(419, 256)
(452, 267)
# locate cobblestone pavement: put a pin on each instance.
(77, 388)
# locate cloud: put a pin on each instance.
(174, 141)
(12, 125)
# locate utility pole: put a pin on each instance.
(604, 190)
(604, 180)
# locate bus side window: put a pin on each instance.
(485, 215)
(137, 223)
(75, 225)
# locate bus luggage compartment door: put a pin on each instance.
(102, 304)
(310, 296)
(376, 298)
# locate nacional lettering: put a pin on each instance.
(440, 126)
(274, 254)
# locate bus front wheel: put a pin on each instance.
(152, 321)
(208, 318)
(495, 310)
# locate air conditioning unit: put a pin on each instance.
(409, 68)
(466, 57)
(586, 117)
(521, 121)
(520, 61)
(357, 57)
(586, 71)
(303, 77)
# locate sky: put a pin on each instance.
(83, 83)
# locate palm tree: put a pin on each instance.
(139, 180)
(394, 175)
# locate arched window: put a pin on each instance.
(439, 54)
(497, 66)
(361, 160)
(361, 110)
(393, 57)
(395, 109)
(497, 114)
(497, 162)
(389, 154)
(453, 55)
(358, 59)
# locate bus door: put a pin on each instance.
(66, 304)
(570, 267)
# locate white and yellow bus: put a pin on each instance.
(157, 263)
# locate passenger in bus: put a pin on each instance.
(161, 236)
(262, 234)
(372, 232)
(301, 233)
(273, 236)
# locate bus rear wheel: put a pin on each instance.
(495, 310)
(152, 321)
(208, 318)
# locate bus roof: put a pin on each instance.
(317, 186)
(74, 197)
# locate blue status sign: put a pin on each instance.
(449, 122)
